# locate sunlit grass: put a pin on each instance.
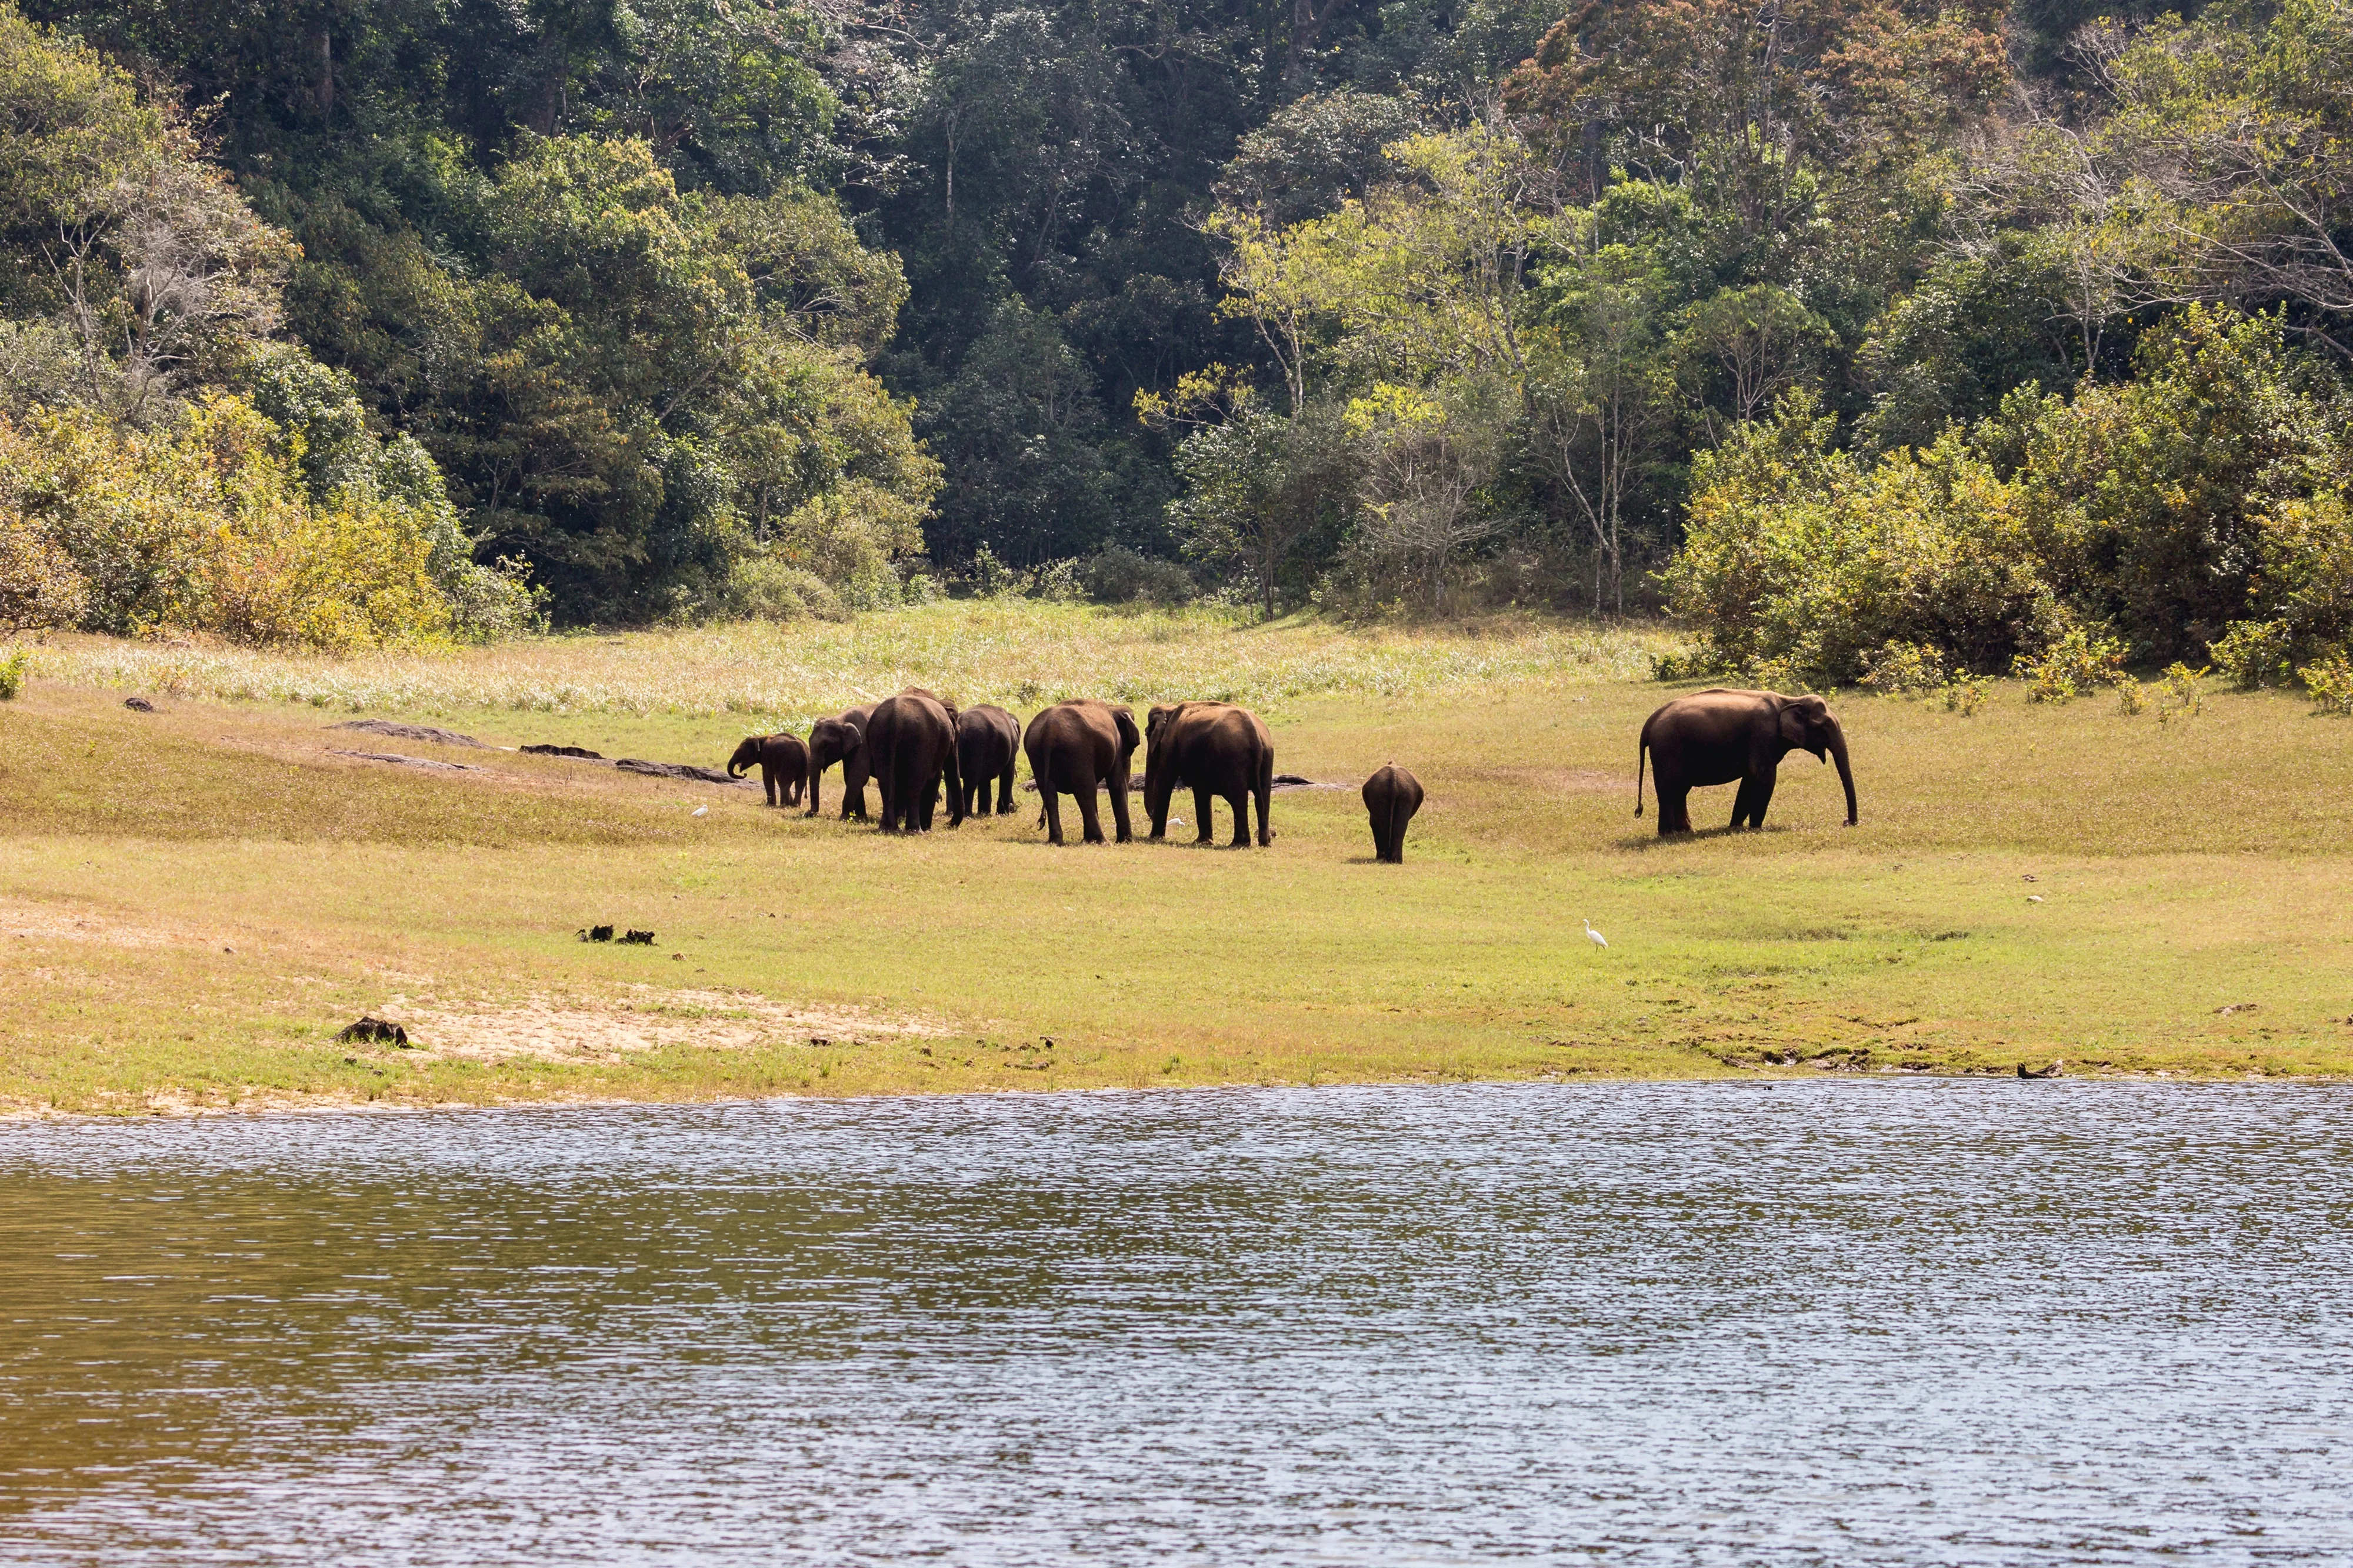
(1017, 652)
(206, 892)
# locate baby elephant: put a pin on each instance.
(784, 766)
(1391, 797)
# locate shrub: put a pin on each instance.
(1799, 563)
(849, 537)
(13, 670)
(1899, 669)
(1057, 580)
(2079, 661)
(2183, 693)
(39, 587)
(2330, 682)
(763, 588)
(209, 526)
(2158, 505)
(2201, 505)
(2253, 654)
(1118, 575)
(1965, 694)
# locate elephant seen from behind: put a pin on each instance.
(1219, 749)
(1391, 797)
(988, 743)
(1719, 735)
(783, 761)
(1076, 749)
(910, 750)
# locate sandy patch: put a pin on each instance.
(572, 1029)
(21, 921)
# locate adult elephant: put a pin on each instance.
(1219, 749)
(783, 761)
(988, 742)
(1391, 797)
(1716, 736)
(910, 749)
(1075, 749)
(840, 740)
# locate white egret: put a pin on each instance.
(1595, 937)
(702, 811)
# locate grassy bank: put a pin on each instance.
(193, 900)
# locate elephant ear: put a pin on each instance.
(1801, 718)
(856, 733)
(1128, 739)
(1160, 711)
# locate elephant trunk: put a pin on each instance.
(1846, 773)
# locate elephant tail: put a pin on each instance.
(1642, 755)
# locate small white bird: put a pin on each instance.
(702, 811)
(1595, 937)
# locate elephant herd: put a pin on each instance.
(912, 745)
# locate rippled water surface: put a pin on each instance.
(1791, 1323)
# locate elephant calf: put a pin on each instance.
(784, 766)
(1075, 749)
(1716, 736)
(1219, 749)
(840, 740)
(1391, 797)
(988, 742)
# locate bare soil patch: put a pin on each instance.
(577, 1029)
(22, 921)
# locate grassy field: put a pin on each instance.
(193, 901)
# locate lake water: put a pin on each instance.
(1837, 1322)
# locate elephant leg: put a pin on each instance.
(1743, 800)
(1264, 795)
(1675, 815)
(1053, 799)
(1760, 796)
(816, 779)
(1090, 812)
(1005, 792)
(1240, 802)
(1200, 815)
(1119, 810)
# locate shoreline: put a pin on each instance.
(324, 1106)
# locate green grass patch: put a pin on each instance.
(194, 900)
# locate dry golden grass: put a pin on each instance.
(1018, 652)
(192, 902)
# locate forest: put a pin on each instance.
(1871, 340)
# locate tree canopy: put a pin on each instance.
(699, 307)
